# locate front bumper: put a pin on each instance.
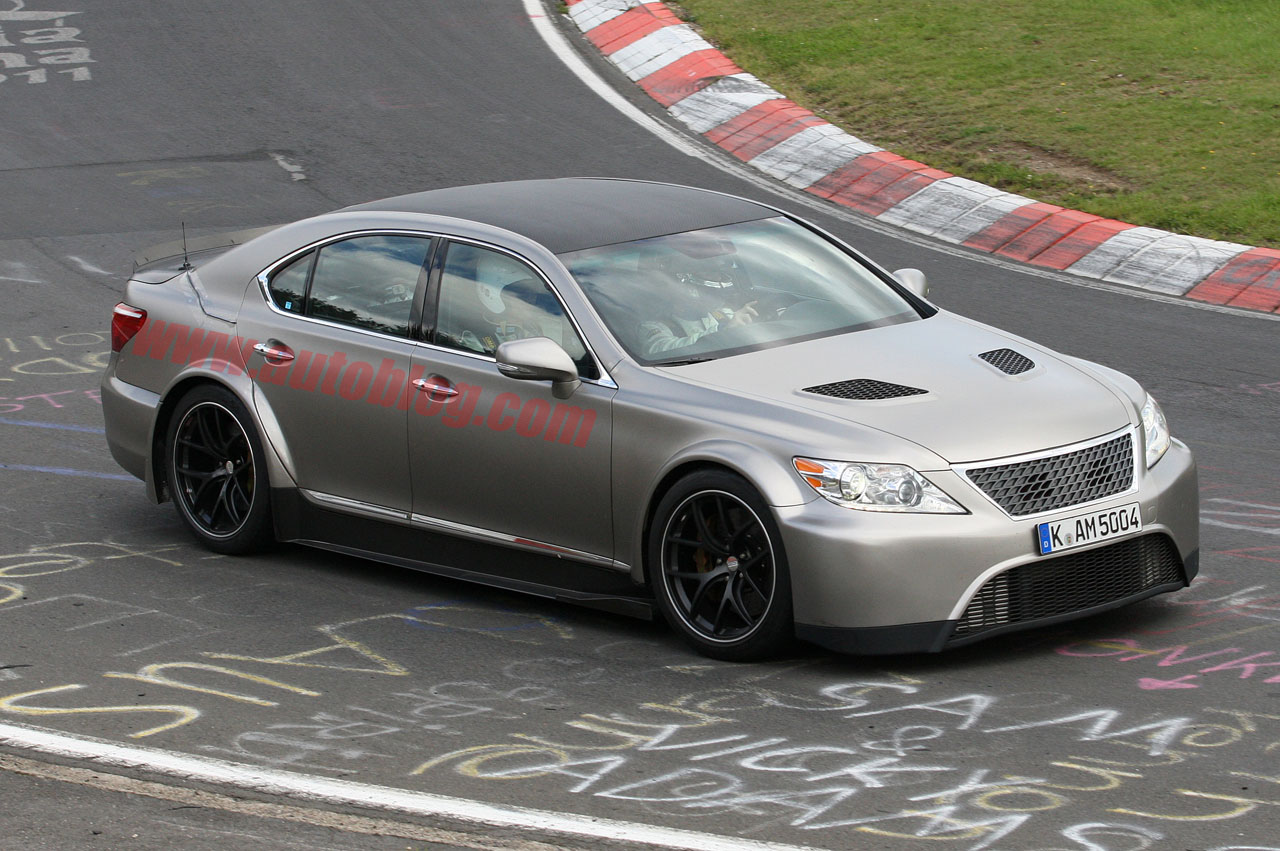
(905, 583)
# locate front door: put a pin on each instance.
(503, 458)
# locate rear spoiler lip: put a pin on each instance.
(216, 243)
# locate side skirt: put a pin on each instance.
(301, 522)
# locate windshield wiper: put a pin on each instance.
(681, 361)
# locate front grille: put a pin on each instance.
(1008, 361)
(1059, 481)
(864, 389)
(1072, 583)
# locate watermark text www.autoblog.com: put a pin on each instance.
(359, 381)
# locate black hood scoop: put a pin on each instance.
(1008, 361)
(864, 390)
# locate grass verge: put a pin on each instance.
(1163, 113)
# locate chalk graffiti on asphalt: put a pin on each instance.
(61, 354)
(34, 43)
(888, 757)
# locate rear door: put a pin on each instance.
(332, 360)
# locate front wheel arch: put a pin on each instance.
(717, 567)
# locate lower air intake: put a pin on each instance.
(1072, 583)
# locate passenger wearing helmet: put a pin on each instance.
(514, 311)
(488, 298)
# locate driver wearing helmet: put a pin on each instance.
(700, 298)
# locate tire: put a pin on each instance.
(718, 570)
(216, 471)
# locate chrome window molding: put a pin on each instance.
(264, 281)
(264, 289)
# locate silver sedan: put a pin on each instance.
(628, 395)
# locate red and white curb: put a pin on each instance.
(702, 89)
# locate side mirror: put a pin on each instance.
(539, 359)
(914, 280)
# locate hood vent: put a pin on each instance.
(864, 390)
(1008, 361)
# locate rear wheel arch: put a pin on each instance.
(277, 468)
(215, 467)
(160, 428)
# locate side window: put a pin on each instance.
(289, 285)
(368, 281)
(488, 298)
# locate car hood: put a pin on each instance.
(927, 382)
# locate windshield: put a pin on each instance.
(705, 294)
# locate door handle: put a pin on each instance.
(436, 386)
(277, 352)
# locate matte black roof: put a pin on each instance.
(567, 214)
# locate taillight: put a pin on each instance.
(126, 321)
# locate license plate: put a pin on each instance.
(1089, 528)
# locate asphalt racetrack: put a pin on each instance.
(307, 700)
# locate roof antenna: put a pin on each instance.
(186, 261)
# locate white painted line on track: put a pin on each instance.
(87, 266)
(575, 63)
(327, 791)
(295, 171)
(237, 803)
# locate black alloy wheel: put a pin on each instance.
(721, 576)
(216, 473)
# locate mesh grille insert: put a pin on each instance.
(1008, 361)
(1059, 481)
(1072, 583)
(864, 389)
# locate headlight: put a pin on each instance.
(1156, 428)
(875, 487)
